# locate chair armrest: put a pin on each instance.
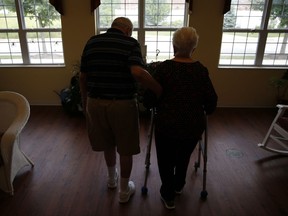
(10, 136)
(282, 106)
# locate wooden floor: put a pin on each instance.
(70, 179)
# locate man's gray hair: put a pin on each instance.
(122, 22)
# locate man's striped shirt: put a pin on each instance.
(107, 59)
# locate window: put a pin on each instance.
(154, 23)
(255, 33)
(30, 33)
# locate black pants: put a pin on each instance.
(173, 156)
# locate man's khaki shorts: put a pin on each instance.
(113, 123)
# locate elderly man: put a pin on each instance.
(111, 65)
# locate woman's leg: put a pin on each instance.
(186, 147)
(166, 163)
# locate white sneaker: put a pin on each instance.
(113, 182)
(125, 196)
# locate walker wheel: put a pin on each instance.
(144, 190)
(204, 195)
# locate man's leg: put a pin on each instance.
(127, 188)
(126, 163)
(110, 158)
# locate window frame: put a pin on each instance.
(142, 30)
(23, 38)
(263, 32)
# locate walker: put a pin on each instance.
(202, 150)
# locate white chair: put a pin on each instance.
(14, 114)
(276, 139)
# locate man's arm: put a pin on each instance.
(145, 79)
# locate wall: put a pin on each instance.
(244, 87)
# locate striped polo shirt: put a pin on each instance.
(106, 59)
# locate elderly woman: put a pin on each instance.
(188, 94)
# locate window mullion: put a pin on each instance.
(263, 33)
(141, 31)
(266, 14)
(22, 32)
(187, 14)
(261, 47)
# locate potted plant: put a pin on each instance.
(70, 96)
(281, 85)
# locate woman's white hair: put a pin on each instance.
(185, 40)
